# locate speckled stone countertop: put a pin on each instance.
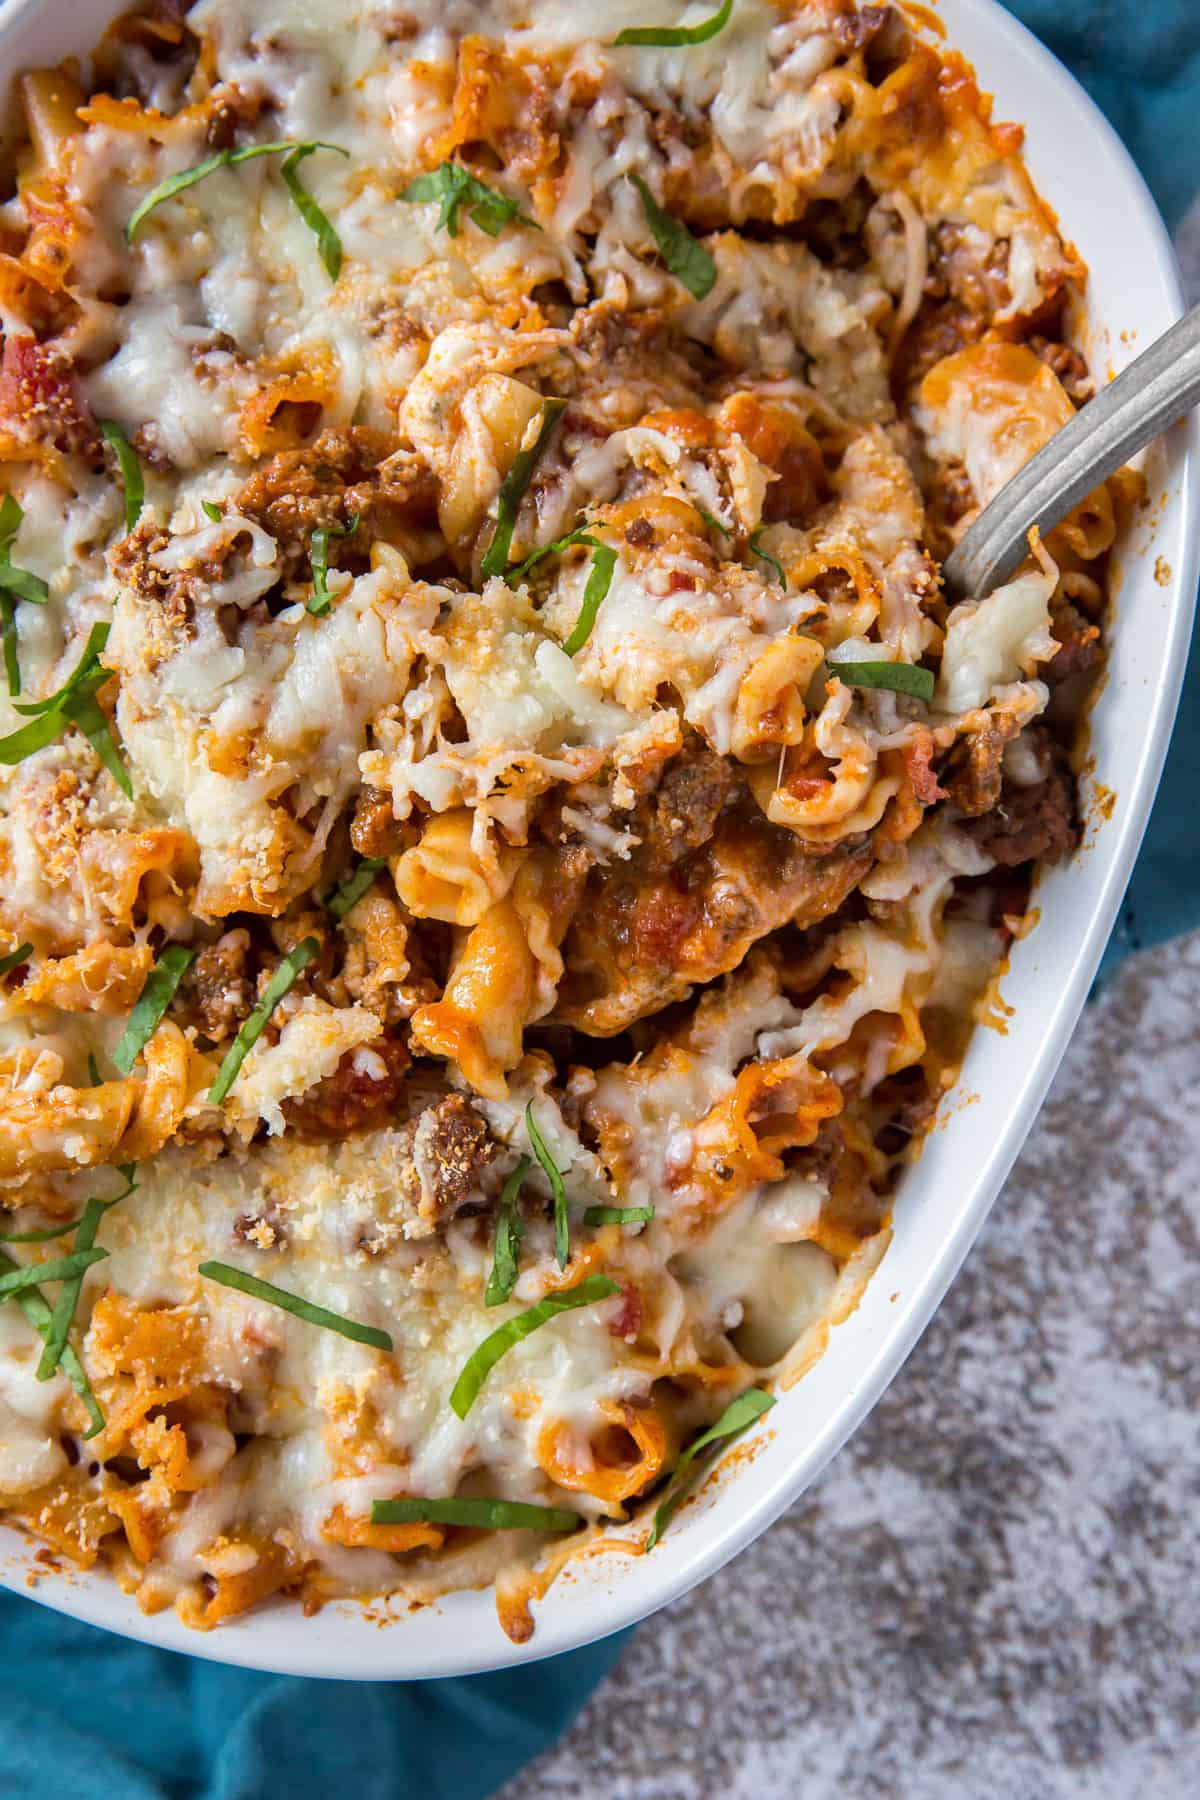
(992, 1592)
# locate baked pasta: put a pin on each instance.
(502, 837)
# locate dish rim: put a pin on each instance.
(344, 1642)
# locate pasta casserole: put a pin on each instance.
(503, 837)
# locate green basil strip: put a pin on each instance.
(285, 974)
(15, 584)
(322, 599)
(604, 561)
(772, 562)
(45, 1236)
(483, 1515)
(87, 713)
(329, 244)
(901, 677)
(506, 1255)
(737, 1415)
(485, 1356)
(355, 886)
(562, 1223)
(35, 1306)
(683, 254)
(618, 1215)
(512, 491)
(453, 187)
(73, 704)
(8, 632)
(21, 582)
(580, 535)
(86, 672)
(223, 159)
(667, 36)
(292, 1303)
(60, 1268)
(157, 994)
(72, 1367)
(713, 523)
(131, 470)
(32, 737)
(62, 1317)
(94, 1075)
(14, 959)
(212, 511)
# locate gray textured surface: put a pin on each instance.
(991, 1594)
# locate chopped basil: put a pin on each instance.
(90, 717)
(512, 491)
(322, 599)
(562, 1224)
(329, 244)
(901, 677)
(74, 704)
(45, 1236)
(486, 1355)
(86, 670)
(618, 1215)
(713, 523)
(212, 511)
(292, 1303)
(94, 1075)
(58, 1330)
(506, 1255)
(15, 584)
(683, 254)
(36, 1307)
(580, 535)
(35, 736)
(131, 470)
(482, 1515)
(285, 974)
(670, 35)
(604, 561)
(355, 886)
(155, 997)
(8, 631)
(454, 187)
(772, 562)
(14, 959)
(17, 581)
(60, 1268)
(737, 1415)
(293, 149)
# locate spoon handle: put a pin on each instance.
(1157, 388)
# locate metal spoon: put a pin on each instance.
(1155, 390)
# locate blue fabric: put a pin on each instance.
(98, 1718)
(91, 1716)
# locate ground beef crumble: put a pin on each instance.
(449, 1156)
(1027, 822)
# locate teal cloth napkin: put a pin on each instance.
(95, 1717)
(89, 1716)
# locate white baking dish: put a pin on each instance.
(1082, 170)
